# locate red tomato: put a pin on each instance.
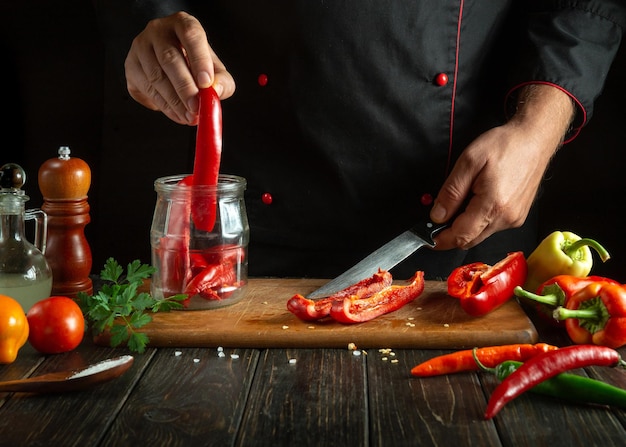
(56, 325)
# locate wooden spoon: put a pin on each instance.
(71, 380)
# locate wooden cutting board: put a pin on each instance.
(261, 320)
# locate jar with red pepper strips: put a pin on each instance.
(210, 267)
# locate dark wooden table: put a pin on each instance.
(269, 397)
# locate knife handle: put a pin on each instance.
(426, 230)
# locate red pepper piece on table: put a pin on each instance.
(544, 366)
(596, 314)
(358, 310)
(311, 310)
(482, 288)
(207, 158)
(490, 356)
(556, 291)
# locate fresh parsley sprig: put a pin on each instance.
(120, 308)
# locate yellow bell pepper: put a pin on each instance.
(13, 329)
(561, 253)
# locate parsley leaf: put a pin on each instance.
(119, 308)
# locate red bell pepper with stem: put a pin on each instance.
(481, 288)
(358, 310)
(596, 314)
(544, 366)
(556, 291)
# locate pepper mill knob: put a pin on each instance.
(64, 183)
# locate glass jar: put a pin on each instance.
(199, 240)
(24, 271)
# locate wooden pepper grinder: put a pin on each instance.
(64, 182)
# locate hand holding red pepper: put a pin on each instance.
(482, 288)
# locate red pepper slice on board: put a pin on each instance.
(555, 292)
(481, 288)
(544, 366)
(311, 310)
(596, 314)
(358, 310)
(490, 356)
(207, 158)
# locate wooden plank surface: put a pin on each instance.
(261, 320)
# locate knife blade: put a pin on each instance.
(384, 258)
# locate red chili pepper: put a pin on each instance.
(556, 291)
(207, 158)
(310, 310)
(482, 288)
(544, 366)
(358, 310)
(596, 314)
(490, 357)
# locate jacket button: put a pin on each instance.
(441, 79)
(262, 79)
(426, 199)
(267, 198)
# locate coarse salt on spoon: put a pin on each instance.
(72, 380)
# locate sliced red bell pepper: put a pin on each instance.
(596, 315)
(358, 310)
(207, 158)
(481, 288)
(311, 310)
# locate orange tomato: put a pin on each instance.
(13, 328)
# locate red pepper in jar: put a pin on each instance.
(358, 310)
(556, 291)
(490, 356)
(481, 288)
(544, 366)
(311, 310)
(596, 314)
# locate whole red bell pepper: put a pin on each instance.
(596, 315)
(555, 292)
(358, 310)
(481, 288)
(311, 310)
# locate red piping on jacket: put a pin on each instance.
(456, 71)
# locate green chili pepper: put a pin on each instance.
(569, 387)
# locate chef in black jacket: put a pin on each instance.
(352, 120)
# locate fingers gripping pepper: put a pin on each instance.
(310, 310)
(556, 291)
(561, 253)
(545, 366)
(490, 356)
(482, 288)
(596, 314)
(358, 310)
(565, 386)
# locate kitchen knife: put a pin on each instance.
(384, 258)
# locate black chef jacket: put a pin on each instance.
(349, 115)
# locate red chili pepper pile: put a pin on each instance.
(545, 366)
(363, 301)
(483, 288)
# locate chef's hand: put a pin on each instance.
(502, 170)
(169, 61)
